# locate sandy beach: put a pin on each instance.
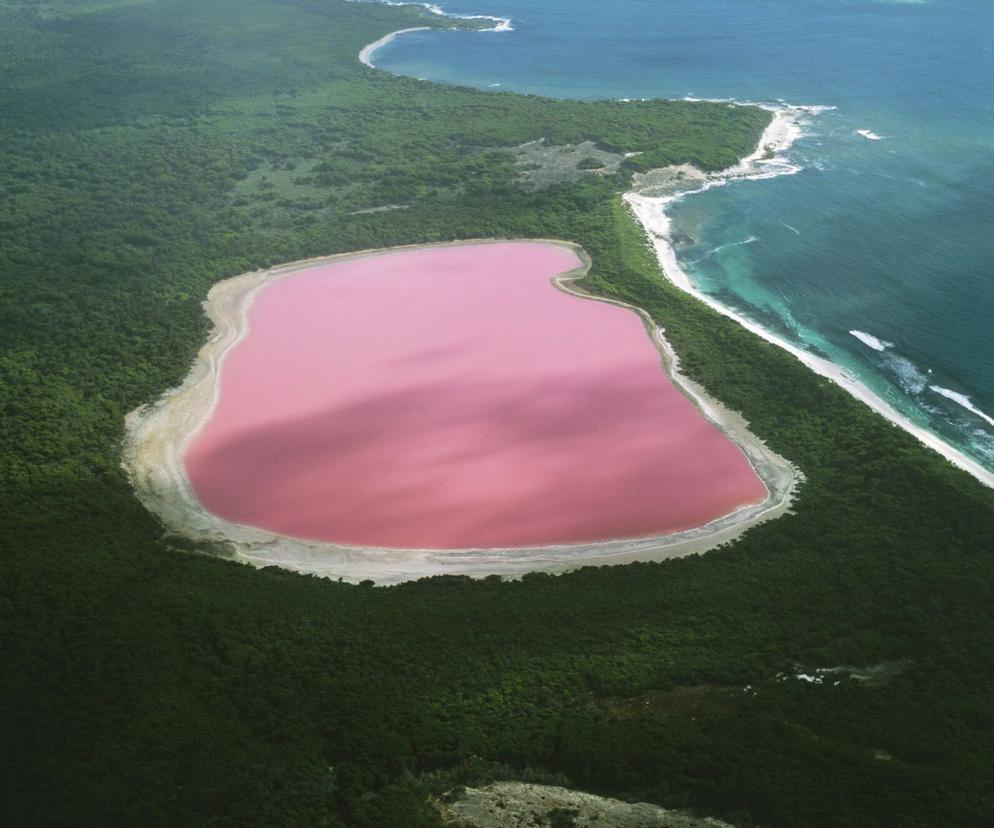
(500, 24)
(366, 55)
(158, 435)
(767, 161)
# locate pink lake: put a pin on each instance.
(451, 398)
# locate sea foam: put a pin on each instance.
(501, 24)
(722, 247)
(869, 135)
(909, 376)
(871, 341)
(962, 400)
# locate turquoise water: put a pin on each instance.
(892, 237)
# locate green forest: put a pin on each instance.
(149, 148)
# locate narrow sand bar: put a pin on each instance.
(443, 409)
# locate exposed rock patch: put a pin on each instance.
(522, 805)
(384, 209)
(541, 165)
(667, 181)
(872, 675)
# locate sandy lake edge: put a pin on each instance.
(158, 434)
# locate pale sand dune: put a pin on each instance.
(158, 436)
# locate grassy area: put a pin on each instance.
(143, 685)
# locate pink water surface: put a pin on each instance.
(453, 398)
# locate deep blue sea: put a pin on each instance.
(891, 237)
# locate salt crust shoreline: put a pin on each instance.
(157, 436)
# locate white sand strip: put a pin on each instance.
(366, 55)
(501, 24)
(157, 436)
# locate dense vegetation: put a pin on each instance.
(148, 149)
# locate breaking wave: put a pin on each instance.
(501, 24)
(962, 400)
(909, 376)
(871, 341)
(721, 247)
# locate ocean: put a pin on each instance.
(879, 252)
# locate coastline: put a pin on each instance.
(157, 436)
(768, 161)
(501, 24)
(366, 55)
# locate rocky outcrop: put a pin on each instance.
(522, 805)
(668, 181)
